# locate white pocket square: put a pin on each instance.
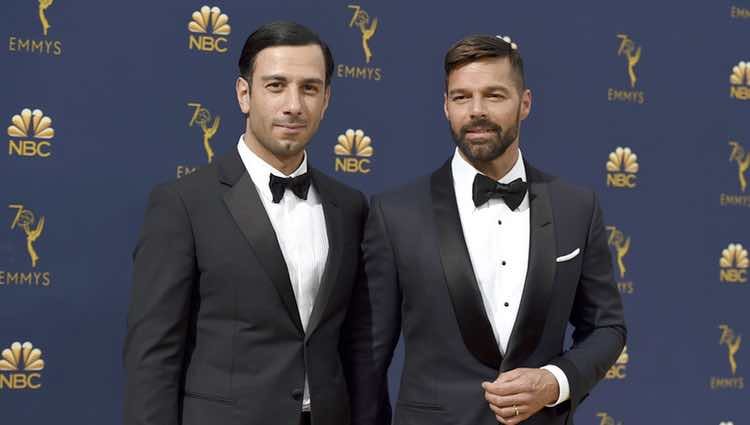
(568, 256)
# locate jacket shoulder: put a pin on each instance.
(559, 188)
(342, 193)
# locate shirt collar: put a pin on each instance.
(260, 171)
(463, 176)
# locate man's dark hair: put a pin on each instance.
(281, 33)
(476, 47)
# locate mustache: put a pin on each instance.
(481, 123)
(290, 121)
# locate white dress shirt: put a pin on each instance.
(498, 243)
(300, 228)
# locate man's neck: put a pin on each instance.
(497, 168)
(286, 165)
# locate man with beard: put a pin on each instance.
(244, 269)
(482, 265)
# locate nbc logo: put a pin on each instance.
(617, 371)
(203, 20)
(740, 80)
(20, 366)
(622, 166)
(734, 263)
(33, 133)
(353, 151)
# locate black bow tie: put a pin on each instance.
(485, 188)
(300, 185)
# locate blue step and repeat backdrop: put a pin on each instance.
(646, 102)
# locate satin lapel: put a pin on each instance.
(248, 212)
(532, 312)
(459, 273)
(333, 218)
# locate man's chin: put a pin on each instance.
(288, 148)
(480, 151)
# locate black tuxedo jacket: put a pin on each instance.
(214, 335)
(420, 281)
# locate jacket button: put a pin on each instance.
(297, 394)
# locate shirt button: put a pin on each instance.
(507, 305)
(500, 222)
(503, 263)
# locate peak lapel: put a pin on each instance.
(333, 218)
(247, 209)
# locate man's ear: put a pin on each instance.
(242, 87)
(525, 103)
(326, 99)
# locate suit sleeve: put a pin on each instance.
(597, 317)
(163, 279)
(374, 324)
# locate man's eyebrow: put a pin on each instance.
(456, 91)
(313, 81)
(274, 77)
(497, 88)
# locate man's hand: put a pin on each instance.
(517, 394)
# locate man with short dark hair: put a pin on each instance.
(482, 265)
(244, 270)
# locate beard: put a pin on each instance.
(284, 147)
(486, 150)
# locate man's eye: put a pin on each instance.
(311, 89)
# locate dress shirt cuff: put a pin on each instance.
(562, 383)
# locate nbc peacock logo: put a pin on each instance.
(20, 367)
(31, 134)
(209, 29)
(622, 167)
(733, 264)
(740, 81)
(619, 369)
(353, 152)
